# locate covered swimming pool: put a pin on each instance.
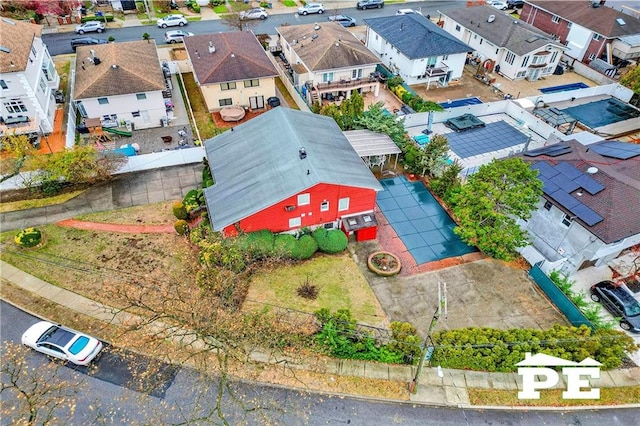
(420, 222)
(600, 113)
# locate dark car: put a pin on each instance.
(370, 4)
(512, 4)
(86, 41)
(273, 101)
(620, 302)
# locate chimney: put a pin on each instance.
(303, 153)
(212, 48)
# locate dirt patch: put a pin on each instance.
(151, 214)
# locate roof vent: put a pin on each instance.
(233, 55)
(592, 170)
(212, 48)
(197, 54)
(93, 53)
(96, 61)
(5, 49)
(491, 18)
(621, 22)
(302, 153)
(114, 66)
(294, 42)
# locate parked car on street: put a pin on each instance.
(86, 41)
(500, 5)
(61, 342)
(344, 20)
(620, 302)
(408, 12)
(255, 13)
(176, 36)
(90, 27)
(311, 8)
(370, 4)
(172, 21)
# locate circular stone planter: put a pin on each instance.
(384, 263)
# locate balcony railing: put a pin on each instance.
(343, 84)
(437, 71)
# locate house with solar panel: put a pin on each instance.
(589, 212)
(286, 170)
(513, 48)
(417, 49)
(590, 30)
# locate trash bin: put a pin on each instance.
(269, 5)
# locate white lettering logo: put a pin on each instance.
(536, 375)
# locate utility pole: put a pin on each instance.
(427, 350)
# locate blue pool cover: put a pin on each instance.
(461, 102)
(421, 223)
(603, 112)
(478, 141)
(564, 88)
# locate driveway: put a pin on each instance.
(484, 293)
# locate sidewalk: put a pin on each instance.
(450, 390)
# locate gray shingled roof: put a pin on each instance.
(416, 36)
(329, 47)
(257, 164)
(505, 31)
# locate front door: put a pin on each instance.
(256, 102)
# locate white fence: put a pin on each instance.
(292, 90)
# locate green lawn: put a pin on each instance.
(220, 9)
(204, 121)
(285, 94)
(289, 3)
(339, 280)
(38, 202)
(553, 397)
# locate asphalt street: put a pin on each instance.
(105, 391)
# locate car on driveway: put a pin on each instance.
(515, 4)
(620, 302)
(255, 13)
(172, 21)
(370, 4)
(86, 41)
(61, 342)
(311, 8)
(90, 27)
(344, 20)
(500, 5)
(176, 36)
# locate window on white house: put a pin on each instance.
(141, 96)
(295, 222)
(566, 220)
(597, 37)
(525, 61)
(103, 101)
(324, 206)
(228, 86)
(43, 85)
(555, 19)
(225, 102)
(510, 58)
(343, 204)
(304, 199)
(538, 59)
(554, 56)
(3, 84)
(458, 28)
(445, 57)
(521, 74)
(135, 114)
(327, 77)
(547, 205)
(15, 106)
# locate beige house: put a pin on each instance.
(231, 68)
(328, 61)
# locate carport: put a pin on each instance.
(373, 147)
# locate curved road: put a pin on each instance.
(107, 391)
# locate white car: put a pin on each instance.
(90, 26)
(61, 342)
(408, 12)
(176, 36)
(311, 8)
(172, 21)
(255, 13)
(500, 5)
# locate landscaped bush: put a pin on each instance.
(96, 18)
(405, 340)
(223, 254)
(193, 201)
(207, 178)
(305, 247)
(330, 241)
(284, 245)
(214, 3)
(28, 237)
(179, 211)
(257, 245)
(195, 7)
(181, 226)
(487, 349)
(227, 287)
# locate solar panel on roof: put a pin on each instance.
(585, 214)
(547, 150)
(548, 186)
(545, 169)
(617, 149)
(589, 184)
(568, 170)
(564, 183)
(565, 199)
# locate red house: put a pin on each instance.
(286, 170)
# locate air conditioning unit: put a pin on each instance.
(289, 208)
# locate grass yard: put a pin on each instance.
(289, 3)
(553, 397)
(151, 214)
(285, 94)
(204, 121)
(340, 283)
(38, 202)
(220, 9)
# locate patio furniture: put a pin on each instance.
(232, 113)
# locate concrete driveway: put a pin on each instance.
(485, 293)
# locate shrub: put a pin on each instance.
(284, 245)
(307, 290)
(207, 178)
(330, 241)
(195, 7)
(179, 211)
(214, 3)
(181, 226)
(111, 38)
(305, 247)
(194, 200)
(227, 287)
(28, 237)
(96, 18)
(405, 340)
(223, 254)
(394, 81)
(257, 245)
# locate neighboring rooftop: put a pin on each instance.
(599, 185)
(416, 36)
(123, 68)
(327, 46)
(602, 20)
(15, 43)
(503, 31)
(228, 56)
(258, 164)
